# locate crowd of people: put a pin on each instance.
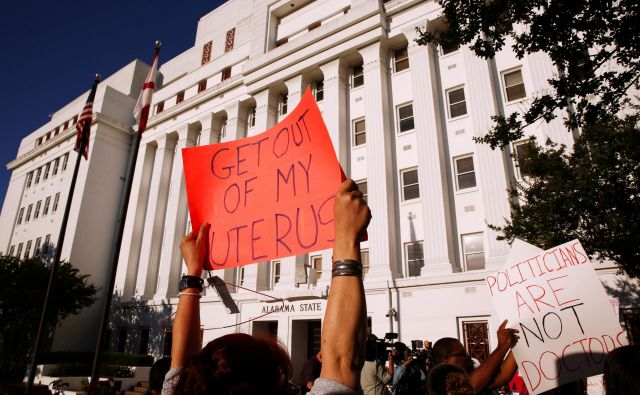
(241, 364)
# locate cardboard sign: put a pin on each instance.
(266, 196)
(556, 301)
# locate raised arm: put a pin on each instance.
(486, 374)
(344, 330)
(186, 325)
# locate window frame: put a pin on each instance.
(27, 250)
(514, 146)
(275, 272)
(56, 167)
(179, 97)
(365, 193)
(403, 186)
(47, 204)
(160, 107)
(312, 262)
(399, 120)
(364, 257)
(20, 216)
(19, 251)
(225, 74)
(458, 174)
(396, 60)
(465, 254)
(36, 181)
(202, 86)
(357, 77)
(28, 216)
(318, 90)
(36, 247)
(443, 52)
(355, 133)
(503, 74)
(251, 117)
(29, 179)
(56, 201)
(36, 212)
(407, 261)
(449, 104)
(283, 105)
(65, 161)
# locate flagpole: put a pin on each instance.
(104, 319)
(84, 140)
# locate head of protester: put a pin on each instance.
(157, 373)
(450, 351)
(621, 371)
(447, 379)
(242, 364)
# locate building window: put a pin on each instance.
(48, 137)
(36, 213)
(47, 242)
(465, 172)
(45, 175)
(357, 76)
(159, 107)
(202, 86)
(315, 261)
(64, 127)
(473, 250)
(20, 215)
(226, 74)
(364, 256)
(251, 120)
(283, 104)
(414, 255)
(29, 179)
(314, 25)
(457, 102)
(274, 274)
(223, 129)
(401, 59)
(447, 49)
(56, 165)
(55, 203)
(521, 150)
(65, 160)
(514, 85)
(180, 97)
(29, 210)
(45, 209)
(475, 335)
(228, 42)
(122, 339)
(206, 52)
(359, 133)
(36, 248)
(410, 186)
(27, 251)
(11, 250)
(75, 120)
(405, 118)
(38, 172)
(319, 90)
(19, 253)
(144, 341)
(362, 187)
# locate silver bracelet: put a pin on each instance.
(347, 267)
(190, 294)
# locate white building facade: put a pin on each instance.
(39, 189)
(402, 118)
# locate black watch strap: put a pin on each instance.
(190, 282)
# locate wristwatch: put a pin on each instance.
(190, 282)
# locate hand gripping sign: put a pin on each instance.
(266, 196)
(556, 301)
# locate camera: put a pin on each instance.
(378, 349)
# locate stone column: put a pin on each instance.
(432, 162)
(335, 116)
(176, 221)
(133, 230)
(155, 217)
(266, 110)
(382, 198)
(236, 121)
(491, 172)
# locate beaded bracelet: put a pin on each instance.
(190, 294)
(346, 267)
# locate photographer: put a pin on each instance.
(375, 376)
(409, 376)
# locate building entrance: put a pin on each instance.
(305, 342)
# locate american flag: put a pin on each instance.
(83, 126)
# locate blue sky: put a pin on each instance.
(50, 51)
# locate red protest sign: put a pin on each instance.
(266, 196)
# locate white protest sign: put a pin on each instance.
(556, 301)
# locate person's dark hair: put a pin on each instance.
(237, 364)
(157, 373)
(442, 348)
(400, 346)
(620, 371)
(446, 379)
